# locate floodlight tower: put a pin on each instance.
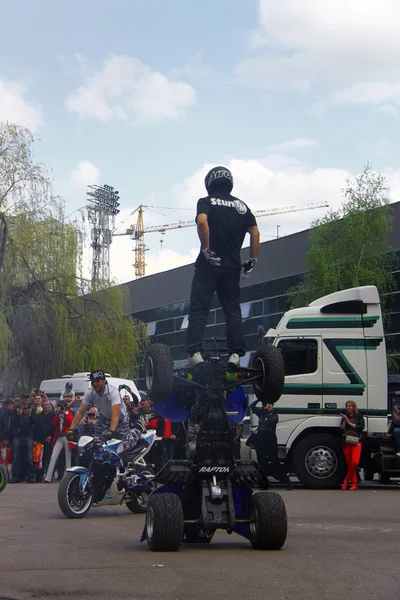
(102, 208)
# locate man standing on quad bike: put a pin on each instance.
(113, 420)
(222, 223)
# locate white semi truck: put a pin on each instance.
(334, 351)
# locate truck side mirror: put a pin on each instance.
(260, 333)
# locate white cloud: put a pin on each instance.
(15, 108)
(376, 92)
(336, 45)
(388, 109)
(86, 173)
(295, 144)
(162, 259)
(127, 89)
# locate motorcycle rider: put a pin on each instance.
(112, 420)
(222, 223)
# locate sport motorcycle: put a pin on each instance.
(108, 474)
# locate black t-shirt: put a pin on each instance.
(229, 219)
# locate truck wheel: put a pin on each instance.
(159, 374)
(164, 522)
(269, 360)
(268, 528)
(3, 477)
(319, 462)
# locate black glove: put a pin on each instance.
(107, 435)
(247, 267)
(211, 257)
(70, 435)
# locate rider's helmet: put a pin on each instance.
(68, 385)
(219, 179)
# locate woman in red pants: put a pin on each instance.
(352, 425)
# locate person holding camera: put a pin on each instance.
(88, 423)
(61, 422)
(22, 431)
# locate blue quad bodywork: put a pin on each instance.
(173, 410)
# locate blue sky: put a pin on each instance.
(145, 96)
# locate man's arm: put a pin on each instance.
(254, 241)
(203, 230)
(115, 410)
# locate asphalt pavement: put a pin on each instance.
(339, 545)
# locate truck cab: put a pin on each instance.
(334, 351)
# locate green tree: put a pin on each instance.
(349, 247)
(47, 327)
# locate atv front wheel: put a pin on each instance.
(269, 361)
(268, 527)
(159, 374)
(164, 522)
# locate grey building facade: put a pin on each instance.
(162, 300)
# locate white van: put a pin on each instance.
(80, 385)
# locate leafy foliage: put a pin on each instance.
(349, 247)
(47, 327)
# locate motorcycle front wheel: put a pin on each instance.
(72, 502)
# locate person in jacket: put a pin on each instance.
(266, 443)
(22, 431)
(62, 422)
(352, 426)
(6, 418)
(47, 432)
(394, 427)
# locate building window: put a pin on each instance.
(245, 308)
(300, 356)
(151, 328)
(185, 322)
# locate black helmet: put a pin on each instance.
(219, 179)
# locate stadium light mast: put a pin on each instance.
(102, 206)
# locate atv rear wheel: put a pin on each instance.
(269, 360)
(164, 522)
(268, 529)
(159, 374)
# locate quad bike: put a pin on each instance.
(211, 489)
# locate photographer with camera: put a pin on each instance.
(61, 422)
(22, 431)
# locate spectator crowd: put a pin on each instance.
(33, 443)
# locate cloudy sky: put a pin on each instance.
(294, 96)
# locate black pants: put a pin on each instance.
(226, 283)
(266, 447)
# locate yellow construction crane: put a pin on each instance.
(136, 232)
